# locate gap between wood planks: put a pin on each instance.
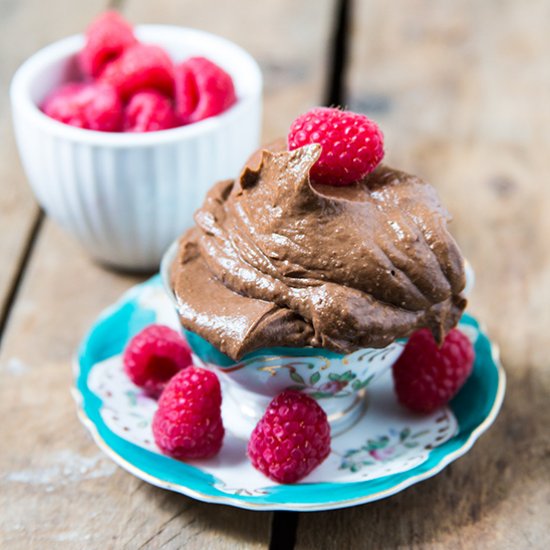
(20, 272)
(338, 54)
(285, 524)
(24, 260)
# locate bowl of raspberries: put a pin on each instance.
(122, 130)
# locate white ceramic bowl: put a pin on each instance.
(126, 197)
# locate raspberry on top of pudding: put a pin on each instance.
(276, 259)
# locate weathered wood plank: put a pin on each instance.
(288, 39)
(24, 27)
(460, 90)
(56, 488)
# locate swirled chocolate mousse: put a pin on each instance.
(276, 260)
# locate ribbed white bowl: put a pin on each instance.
(126, 197)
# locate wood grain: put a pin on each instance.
(25, 26)
(461, 92)
(56, 488)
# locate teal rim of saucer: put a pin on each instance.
(475, 408)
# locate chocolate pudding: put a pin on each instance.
(275, 260)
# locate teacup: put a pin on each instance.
(337, 381)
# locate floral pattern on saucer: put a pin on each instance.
(386, 439)
(387, 450)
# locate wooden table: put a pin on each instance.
(462, 91)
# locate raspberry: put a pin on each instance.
(188, 422)
(107, 37)
(202, 90)
(186, 94)
(427, 377)
(154, 356)
(91, 106)
(149, 111)
(291, 439)
(353, 145)
(140, 67)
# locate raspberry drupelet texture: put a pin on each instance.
(140, 67)
(113, 62)
(188, 422)
(186, 92)
(203, 90)
(353, 145)
(291, 439)
(107, 37)
(91, 106)
(154, 356)
(427, 377)
(149, 111)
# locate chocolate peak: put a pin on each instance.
(287, 172)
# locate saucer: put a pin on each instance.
(385, 451)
